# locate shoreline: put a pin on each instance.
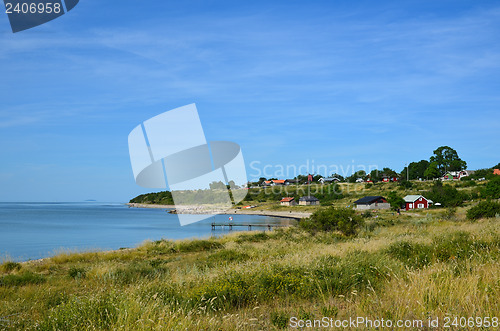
(200, 210)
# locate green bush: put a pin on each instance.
(484, 209)
(492, 188)
(331, 219)
(395, 200)
(447, 195)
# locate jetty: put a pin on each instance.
(248, 225)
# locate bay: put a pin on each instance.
(31, 231)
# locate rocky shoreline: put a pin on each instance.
(196, 209)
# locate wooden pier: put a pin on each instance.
(248, 225)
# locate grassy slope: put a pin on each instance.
(400, 267)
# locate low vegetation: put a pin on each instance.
(410, 266)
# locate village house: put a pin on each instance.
(387, 179)
(278, 182)
(416, 202)
(456, 175)
(496, 171)
(328, 180)
(309, 201)
(266, 183)
(372, 202)
(288, 201)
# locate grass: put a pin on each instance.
(412, 266)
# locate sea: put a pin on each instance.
(30, 231)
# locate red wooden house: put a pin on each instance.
(416, 202)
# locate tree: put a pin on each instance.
(375, 175)
(356, 175)
(261, 180)
(217, 185)
(336, 175)
(389, 172)
(395, 200)
(447, 159)
(432, 171)
(416, 169)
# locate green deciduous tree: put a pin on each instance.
(447, 159)
(432, 171)
(416, 169)
(395, 200)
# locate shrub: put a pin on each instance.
(330, 219)
(447, 195)
(395, 200)
(484, 209)
(492, 188)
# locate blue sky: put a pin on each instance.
(330, 82)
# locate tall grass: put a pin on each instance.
(408, 268)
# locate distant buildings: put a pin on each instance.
(416, 202)
(456, 175)
(328, 180)
(288, 201)
(496, 171)
(308, 201)
(372, 202)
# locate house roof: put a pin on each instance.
(414, 197)
(309, 198)
(330, 179)
(368, 200)
(267, 182)
(279, 181)
(496, 172)
(287, 199)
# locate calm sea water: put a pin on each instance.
(37, 230)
